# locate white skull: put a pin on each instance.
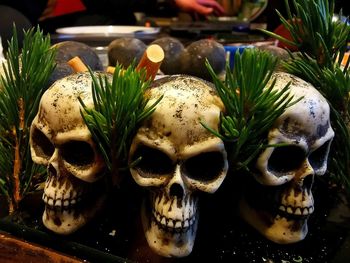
(180, 159)
(279, 205)
(60, 139)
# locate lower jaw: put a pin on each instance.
(66, 220)
(165, 241)
(171, 243)
(63, 223)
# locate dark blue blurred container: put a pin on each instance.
(231, 51)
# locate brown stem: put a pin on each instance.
(18, 162)
(11, 205)
(21, 113)
(16, 172)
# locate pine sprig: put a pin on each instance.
(322, 43)
(313, 30)
(119, 107)
(26, 73)
(251, 103)
(333, 82)
(339, 165)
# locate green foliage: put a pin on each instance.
(322, 42)
(26, 73)
(314, 31)
(252, 105)
(119, 107)
(6, 167)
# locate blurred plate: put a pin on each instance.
(108, 30)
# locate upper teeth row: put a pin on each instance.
(59, 202)
(297, 210)
(171, 223)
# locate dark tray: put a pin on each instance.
(116, 234)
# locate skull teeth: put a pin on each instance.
(173, 225)
(298, 211)
(64, 204)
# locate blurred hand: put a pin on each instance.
(202, 7)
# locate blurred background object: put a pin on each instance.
(246, 10)
(8, 16)
(232, 7)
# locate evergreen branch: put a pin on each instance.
(313, 30)
(5, 168)
(119, 108)
(322, 44)
(32, 174)
(251, 103)
(26, 73)
(339, 165)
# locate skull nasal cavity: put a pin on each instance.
(52, 171)
(308, 181)
(176, 190)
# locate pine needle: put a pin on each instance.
(322, 43)
(252, 106)
(119, 107)
(26, 74)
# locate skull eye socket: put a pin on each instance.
(152, 161)
(77, 153)
(318, 157)
(285, 159)
(42, 145)
(205, 166)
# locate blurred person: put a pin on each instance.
(101, 12)
(202, 7)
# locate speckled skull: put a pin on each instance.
(180, 159)
(279, 201)
(60, 140)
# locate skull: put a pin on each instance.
(179, 160)
(280, 201)
(60, 139)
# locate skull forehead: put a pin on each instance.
(187, 101)
(309, 116)
(181, 89)
(59, 108)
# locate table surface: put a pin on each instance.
(13, 249)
